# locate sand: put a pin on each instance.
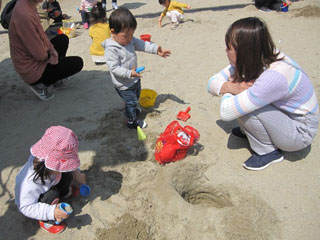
(208, 195)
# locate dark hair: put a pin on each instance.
(121, 19)
(163, 1)
(98, 14)
(40, 171)
(254, 48)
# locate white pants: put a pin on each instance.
(175, 16)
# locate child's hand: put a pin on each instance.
(188, 6)
(79, 176)
(59, 214)
(160, 20)
(134, 73)
(163, 53)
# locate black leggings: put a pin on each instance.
(265, 3)
(59, 190)
(66, 67)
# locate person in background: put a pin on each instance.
(54, 10)
(173, 10)
(114, 4)
(39, 61)
(85, 11)
(99, 31)
(269, 5)
(268, 93)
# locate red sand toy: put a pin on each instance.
(184, 116)
(145, 37)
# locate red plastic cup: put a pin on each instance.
(145, 37)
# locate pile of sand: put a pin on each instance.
(307, 11)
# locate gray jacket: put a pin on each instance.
(121, 60)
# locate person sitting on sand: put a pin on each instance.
(173, 10)
(268, 93)
(269, 5)
(54, 10)
(39, 62)
(99, 31)
(47, 176)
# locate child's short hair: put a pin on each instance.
(98, 14)
(121, 19)
(163, 1)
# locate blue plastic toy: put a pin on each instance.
(85, 190)
(139, 69)
(66, 208)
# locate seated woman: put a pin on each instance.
(267, 92)
(38, 61)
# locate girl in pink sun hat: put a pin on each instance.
(47, 177)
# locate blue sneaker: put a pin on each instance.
(259, 162)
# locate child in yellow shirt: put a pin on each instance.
(173, 10)
(99, 31)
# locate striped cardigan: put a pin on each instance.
(283, 84)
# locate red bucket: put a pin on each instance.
(145, 37)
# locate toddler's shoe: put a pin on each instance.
(86, 26)
(174, 25)
(138, 111)
(134, 124)
(259, 162)
(53, 228)
(75, 191)
(41, 91)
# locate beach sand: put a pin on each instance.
(208, 195)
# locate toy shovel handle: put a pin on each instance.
(188, 109)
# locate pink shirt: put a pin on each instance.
(29, 44)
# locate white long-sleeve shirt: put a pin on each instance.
(27, 193)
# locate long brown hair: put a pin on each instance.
(254, 48)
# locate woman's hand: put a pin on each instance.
(53, 58)
(59, 215)
(235, 87)
(163, 53)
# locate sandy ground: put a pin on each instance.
(208, 195)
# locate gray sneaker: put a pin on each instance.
(41, 91)
(58, 84)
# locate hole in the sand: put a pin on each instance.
(207, 196)
(189, 182)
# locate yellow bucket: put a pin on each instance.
(147, 98)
